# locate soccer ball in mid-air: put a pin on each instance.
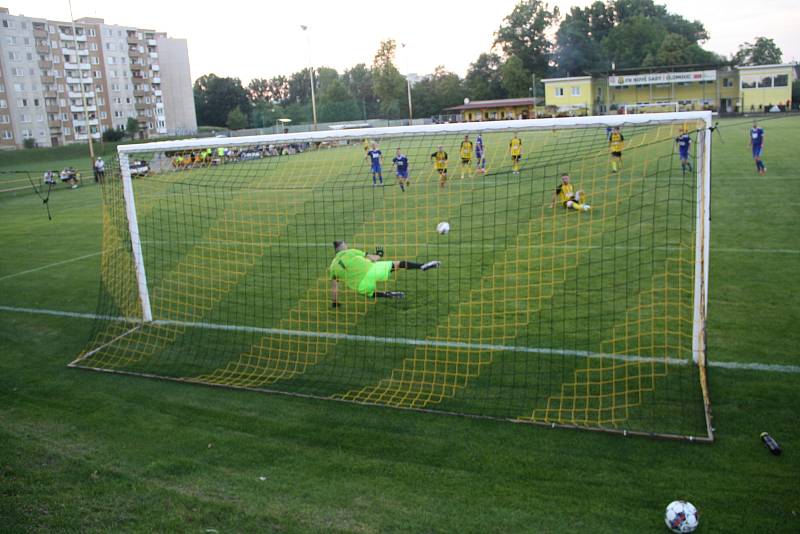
(443, 227)
(681, 517)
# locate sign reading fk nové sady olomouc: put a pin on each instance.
(663, 77)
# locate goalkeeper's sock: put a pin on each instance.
(390, 294)
(409, 265)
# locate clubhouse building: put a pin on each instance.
(726, 90)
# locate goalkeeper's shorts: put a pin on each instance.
(379, 272)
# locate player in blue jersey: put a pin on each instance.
(480, 155)
(684, 143)
(757, 144)
(400, 162)
(375, 157)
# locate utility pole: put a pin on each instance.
(311, 71)
(533, 85)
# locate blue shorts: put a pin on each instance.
(376, 168)
(756, 151)
(684, 155)
(402, 174)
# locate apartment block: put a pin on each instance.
(62, 82)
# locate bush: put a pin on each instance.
(29, 142)
(112, 136)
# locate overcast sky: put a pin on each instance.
(251, 39)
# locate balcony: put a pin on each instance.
(157, 92)
(154, 55)
(151, 42)
(47, 79)
(132, 39)
(156, 68)
(79, 109)
(54, 124)
(76, 81)
(156, 79)
(51, 108)
(42, 49)
(91, 122)
(46, 65)
(65, 37)
(77, 94)
(85, 137)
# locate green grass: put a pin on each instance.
(97, 452)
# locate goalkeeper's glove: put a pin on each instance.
(335, 304)
(379, 251)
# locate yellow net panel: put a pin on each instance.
(546, 308)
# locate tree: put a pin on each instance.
(389, 84)
(300, 87)
(132, 127)
(516, 79)
(674, 50)
(633, 40)
(359, 83)
(577, 46)
(524, 34)
(236, 120)
(433, 93)
(762, 52)
(215, 97)
(336, 103)
(258, 90)
(484, 80)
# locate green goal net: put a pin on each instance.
(570, 289)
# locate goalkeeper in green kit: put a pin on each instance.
(361, 271)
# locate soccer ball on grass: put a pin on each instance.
(681, 517)
(443, 227)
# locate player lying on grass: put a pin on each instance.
(361, 271)
(568, 197)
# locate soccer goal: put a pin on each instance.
(567, 294)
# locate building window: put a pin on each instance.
(19, 87)
(781, 80)
(7, 134)
(748, 82)
(13, 56)
(4, 119)
(727, 82)
(3, 104)
(559, 91)
(766, 81)
(67, 130)
(576, 90)
(103, 115)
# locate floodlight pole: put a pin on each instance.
(311, 71)
(80, 77)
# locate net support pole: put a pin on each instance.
(136, 243)
(703, 226)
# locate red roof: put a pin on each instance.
(502, 103)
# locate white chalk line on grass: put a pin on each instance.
(50, 265)
(558, 246)
(740, 366)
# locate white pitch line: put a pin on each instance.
(740, 366)
(50, 265)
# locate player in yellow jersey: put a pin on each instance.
(361, 272)
(515, 148)
(440, 164)
(366, 146)
(616, 141)
(465, 152)
(568, 197)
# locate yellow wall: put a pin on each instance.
(499, 113)
(754, 98)
(585, 98)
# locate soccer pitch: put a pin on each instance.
(99, 452)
